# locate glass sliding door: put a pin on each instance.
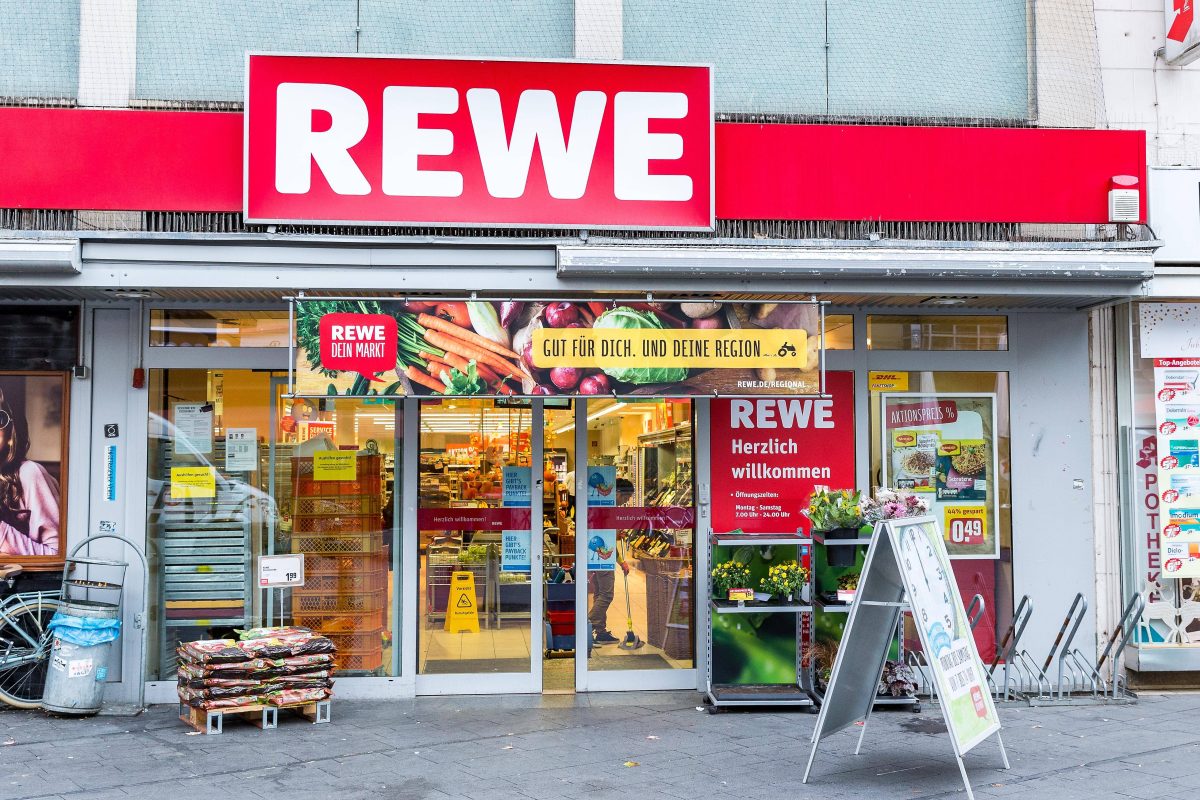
(639, 544)
(479, 546)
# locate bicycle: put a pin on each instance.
(25, 639)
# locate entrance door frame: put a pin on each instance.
(641, 679)
(471, 683)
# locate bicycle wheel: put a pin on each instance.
(23, 670)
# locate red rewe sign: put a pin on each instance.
(362, 343)
(468, 142)
(1185, 13)
(768, 454)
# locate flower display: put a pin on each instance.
(785, 579)
(892, 504)
(729, 575)
(830, 509)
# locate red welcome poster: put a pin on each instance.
(769, 453)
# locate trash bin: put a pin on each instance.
(79, 653)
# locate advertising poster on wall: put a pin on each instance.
(33, 436)
(500, 348)
(1177, 454)
(601, 493)
(516, 492)
(943, 447)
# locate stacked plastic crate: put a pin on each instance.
(337, 525)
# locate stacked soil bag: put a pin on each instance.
(277, 666)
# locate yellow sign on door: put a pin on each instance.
(462, 612)
(879, 381)
(335, 465)
(193, 482)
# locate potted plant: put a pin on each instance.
(847, 586)
(728, 575)
(898, 680)
(836, 514)
(786, 581)
(892, 504)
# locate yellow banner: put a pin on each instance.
(193, 483)
(335, 465)
(600, 348)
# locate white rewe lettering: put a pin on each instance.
(781, 414)
(297, 145)
(739, 414)
(635, 146)
(404, 140)
(506, 159)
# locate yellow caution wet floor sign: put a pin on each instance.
(462, 614)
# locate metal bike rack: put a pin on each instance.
(975, 610)
(1080, 681)
(1020, 674)
(1122, 633)
(1075, 672)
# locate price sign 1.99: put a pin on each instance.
(277, 571)
(964, 524)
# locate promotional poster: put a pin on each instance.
(395, 348)
(1177, 459)
(32, 466)
(943, 447)
(773, 452)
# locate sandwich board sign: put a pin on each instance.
(907, 567)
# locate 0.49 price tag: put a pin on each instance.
(964, 525)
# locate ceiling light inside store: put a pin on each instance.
(591, 417)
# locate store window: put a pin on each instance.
(839, 331)
(936, 332)
(198, 328)
(236, 471)
(946, 437)
(641, 525)
(1163, 446)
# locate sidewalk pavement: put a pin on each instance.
(643, 745)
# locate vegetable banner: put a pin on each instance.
(392, 348)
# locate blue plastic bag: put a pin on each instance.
(84, 631)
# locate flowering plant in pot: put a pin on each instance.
(847, 586)
(728, 575)
(786, 580)
(892, 504)
(836, 514)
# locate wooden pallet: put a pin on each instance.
(262, 715)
